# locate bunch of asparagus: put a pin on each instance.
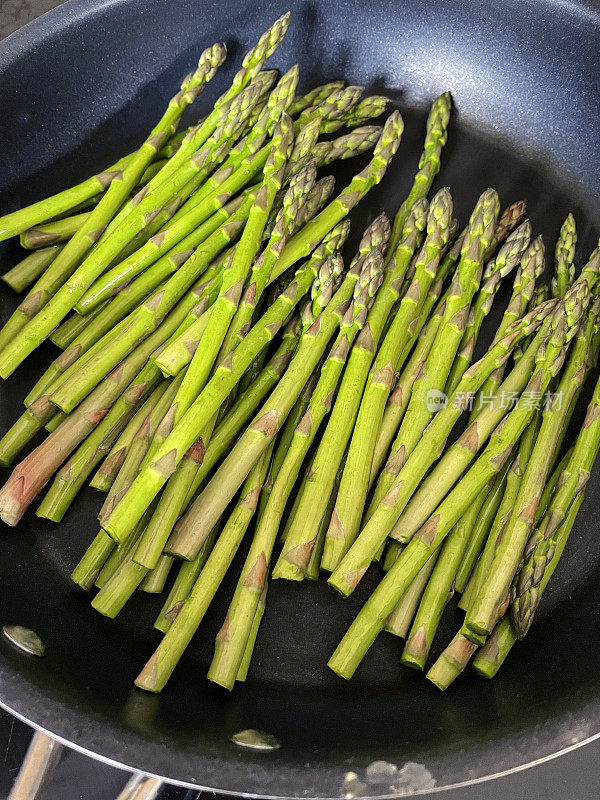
(225, 376)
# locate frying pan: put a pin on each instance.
(80, 86)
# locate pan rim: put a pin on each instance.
(16, 42)
(116, 763)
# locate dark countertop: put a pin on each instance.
(574, 776)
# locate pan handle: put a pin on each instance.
(141, 787)
(43, 755)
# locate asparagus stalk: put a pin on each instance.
(29, 269)
(293, 200)
(369, 108)
(345, 520)
(490, 658)
(244, 666)
(191, 259)
(72, 475)
(46, 303)
(183, 583)
(542, 543)
(456, 656)
(429, 163)
(84, 373)
(481, 524)
(271, 417)
(315, 97)
(94, 558)
(250, 71)
(173, 498)
(440, 587)
(72, 327)
(564, 255)
(297, 553)
(114, 396)
(186, 620)
(498, 268)
(482, 614)
(459, 454)
(399, 398)
(532, 264)
(239, 414)
(229, 372)
(221, 185)
(337, 105)
(358, 558)
(317, 491)
(155, 580)
(53, 232)
(434, 374)
(400, 619)
(18, 221)
(371, 618)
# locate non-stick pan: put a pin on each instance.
(79, 87)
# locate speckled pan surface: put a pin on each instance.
(78, 87)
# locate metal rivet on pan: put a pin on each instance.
(25, 639)
(255, 740)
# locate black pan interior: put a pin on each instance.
(78, 88)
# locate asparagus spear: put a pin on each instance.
(440, 588)
(542, 543)
(72, 475)
(481, 616)
(386, 596)
(298, 550)
(317, 491)
(400, 397)
(480, 526)
(113, 396)
(336, 106)
(369, 108)
(347, 146)
(293, 200)
(229, 372)
(345, 521)
(358, 558)
(400, 619)
(209, 197)
(490, 658)
(173, 499)
(182, 585)
(29, 269)
(315, 97)
(429, 163)
(155, 580)
(274, 411)
(72, 327)
(564, 255)
(252, 64)
(53, 232)
(456, 656)
(532, 264)
(498, 268)
(191, 259)
(433, 376)
(459, 455)
(46, 303)
(18, 221)
(186, 620)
